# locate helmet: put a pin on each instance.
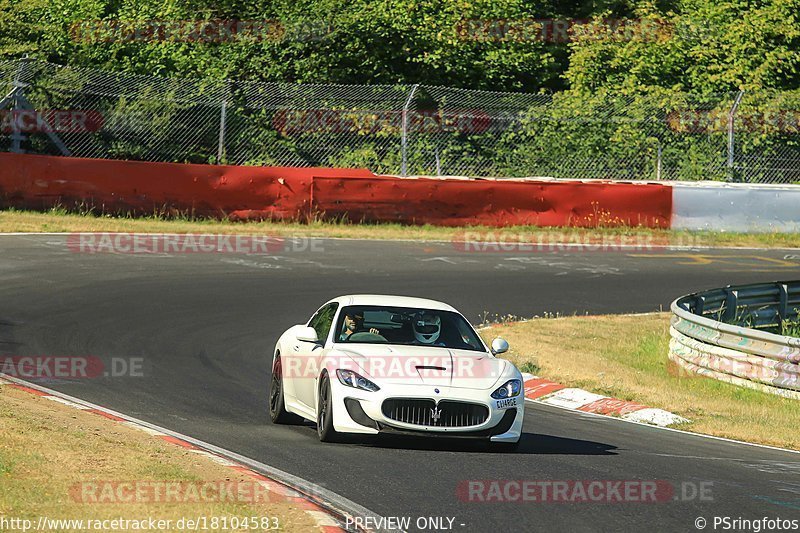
(427, 327)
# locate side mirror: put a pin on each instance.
(306, 334)
(499, 346)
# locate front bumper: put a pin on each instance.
(360, 411)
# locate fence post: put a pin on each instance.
(731, 305)
(658, 162)
(222, 119)
(404, 137)
(19, 87)
(699, 305)
(783, 303)
(18, 102)
(731, 135)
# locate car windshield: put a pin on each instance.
(369, 324)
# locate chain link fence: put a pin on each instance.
(400, 129)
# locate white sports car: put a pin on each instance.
(378, 364)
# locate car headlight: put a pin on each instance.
(351, 379)
(510, 388)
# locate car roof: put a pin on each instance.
(391, 300)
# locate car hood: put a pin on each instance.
(420, 365)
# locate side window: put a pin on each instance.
(322, 321)
(467, 336)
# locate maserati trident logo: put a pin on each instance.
(436, 414)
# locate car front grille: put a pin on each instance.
(423, 412)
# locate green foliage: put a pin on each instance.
(363, 41)
(791, 329)
(530, 367)
(704, 46)
(700, 46)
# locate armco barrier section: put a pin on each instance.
(702, 341)
(244, 192)
(739, 207)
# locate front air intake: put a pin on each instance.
(426, 412)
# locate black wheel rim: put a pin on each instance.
(275, 388)
(323, 406)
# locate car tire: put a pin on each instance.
(325, 429)
(277, 409)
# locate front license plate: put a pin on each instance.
(506, 404)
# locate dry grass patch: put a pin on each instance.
(625, 356)
(47, 449)
(62, 221)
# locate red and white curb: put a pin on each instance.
(551, 393)
(329, 518)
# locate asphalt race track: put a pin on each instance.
(205, 326)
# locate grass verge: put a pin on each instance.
(61, 221)
(625, 356)
(49, 449)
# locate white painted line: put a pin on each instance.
(67, 402)
(24, 233)
(322, 519)
(290, 493)
(214, 457)
(277, 488)
(146, 429)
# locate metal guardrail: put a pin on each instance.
(724, 334)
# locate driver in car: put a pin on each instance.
(427, 328)
(355, 324)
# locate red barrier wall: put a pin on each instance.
(36, 182)
(457, 202)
